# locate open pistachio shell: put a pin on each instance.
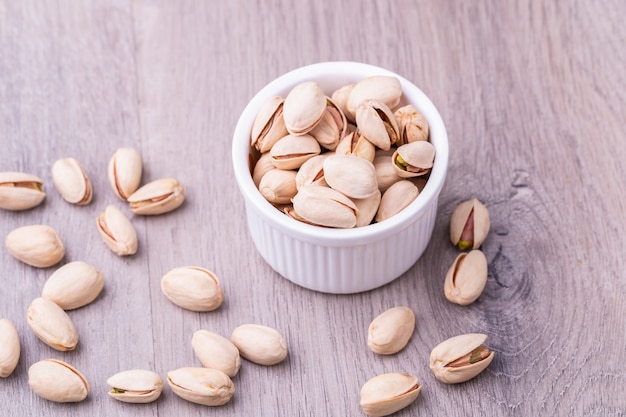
(391, 330)
(71, 181)
(367, 208)
(414, 159)
(278, 186)
(331, 128)
(353, 176)
(136, 386)
(269, 125)
(387, 393)
(9, 348)
(379, 87)
(460, 358)
(292, 151)
(57, 381)
(357, 145)
(216, 352)
(396, 198)
(304, 107)
(20, 191)
(262, 166)
(157, 197)
(377, 123)
(262, 345)
(324, 206)
(466, 278)
(385, 172)
(312, 172)
(124, 172)
(412, 124)
(117, 232)
(204, 386)
(340, 98)
(52, 325)
(193, 288)
(469, 224)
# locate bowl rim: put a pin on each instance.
(329, 236)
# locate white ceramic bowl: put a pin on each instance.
(339, 261)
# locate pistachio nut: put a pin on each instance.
(52, 325)
(216, 352)
(289, 211)
(20, 191)
(157, 197)
(74, 285)
(304, 107)
(193, 288)
(357, 145)
(312, 172)
(57, 381)
(278, 186)
(124, 172)
(262, 166)
(9, 348)
(353, 176)
(324, 206)
(71, 181)
(269, 125)
(466, 278)
(469, 224)
(378, 87)
(377, 123)
(340, 98)
(387, 393)
(460, 358)
(117, 232)
(397, 197)
(135, 386)
(391, 330)
(412, 125)
(201, 385)
(414, 159)
(331, 128)
(36, 245)
(292, 151)
(385, 172)
(366, 208)
(259, 344)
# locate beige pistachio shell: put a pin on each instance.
(312, 172)
(469, 224)
(74, 285)
(385, 172)
(36, 245)
(414, 159)
(52, 325)
(324, 206)
(391, 330)
(367, 208)
(216, 352)
(204, 386)
(353, 176)
(117, 232)
(137, 386)
(20, 191)
(292, 151)
(379, 87)
(289, 211)
(71, 181)
(377, 123)
(124, 172)
(193, 288)
(412, 125)
(340, 98)
(466, 278)
(304, 107)
(157, 197)
(278, 186)
(269, 125)
(331, 128)
(9, 348)
(355, 144)
(460, 358)
(262, 166)
(387, 393)
(57, 381)
(259, 344)
(397, 197)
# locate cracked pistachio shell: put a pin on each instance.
(379, 87)
(311, 172)
(413, 159)
(20, 191)
(353, 176)
(52, 325)
(74, 285)
(355, 144)
(124, 172)
(397, 197)
(385, 172)
(204, 386)
(377, 123)
(117, 232)
(137, 386)
(387, 393)
(9, 348)
(269, 125)
(324, 206)
(469, 224)
(460, 358)
(216, 352)
(71, 181)
(259, 344)
(390, 331)
(367, 208)
(36, 245)
(340, 98)
(193, 288)
(292, 151)
(304, 107)
(262, 166)
(412, 125)
(466, 278)
(157, 197)
(57, 381)
(278, 186)
(331, 128)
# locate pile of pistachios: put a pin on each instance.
(342, 161)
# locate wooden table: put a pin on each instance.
(534, 98)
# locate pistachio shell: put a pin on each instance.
(367, 208)
(278, 186)
(57, 381)
(201, 385)
(135, 386)
(387, 393)
(391, 330)
(20, 191)
(311, 172)
(292, 151)
(304, 107)
(353, 176)
(414, 159)
(355, 144)
(117, 232)
(412, 125)
(262, 166)
(259, 344)
(157, 197)
(216, 352)
(9, 348)
(385, 172)
(466, 278)
(379, 87)
(324, 206)
(269, 125)
(52, 325)
(74, 285)
(36, 245)
(331, 128)
(397, 197)
(469, 224)
(467, 351)
(124, 172)
(193, 288)
(340, 98)
(377, 123)
(71, 181)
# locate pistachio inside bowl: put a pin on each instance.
(347, 260)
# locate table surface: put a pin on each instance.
(533, 95)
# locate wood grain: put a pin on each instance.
(534, 99)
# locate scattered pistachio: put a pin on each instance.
(259, 344)
(469, 224)
(135, 386)
(193, 288)
(117, 232)
(387, 393)
(71, 181)
(57, 381)
(36, 245)
(460, 358)
(204, 386)
(157, 197)
(466, 278)
(20, 191)
(390, 331)
(9, 348)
